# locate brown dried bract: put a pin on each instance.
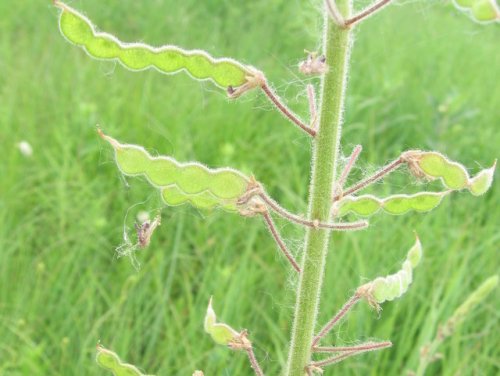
(366, 292)
(254, 79)
(250, 204)
(412, 158)
(314, 64)
(145, 231)
(241, 341)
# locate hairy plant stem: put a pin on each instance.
(253, 362)
(337, 44)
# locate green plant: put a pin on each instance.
(329, 200)
(428, 353)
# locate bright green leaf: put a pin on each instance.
(110, 361)
(368, 205)
(77, 29)
(182, 183)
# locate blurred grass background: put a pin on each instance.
(423, 76)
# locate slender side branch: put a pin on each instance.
(311, 223)
(368, 11)
(281, 244)
(282, 107)
(350, 164)
(372, 179)
(313, 112)
(333, 11)
(340, 314)
(338, 358)
(253, 362)
(368, 346)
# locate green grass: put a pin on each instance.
(423, 76)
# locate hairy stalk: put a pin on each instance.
(337, 43)
(345, 355)
(281, 244)
(367, 12)
(348, 167)
(282, 107)
(347, 226)
(253, 362)
(363, 347)
(371, 179)
(313, 112)
(329, 326)
(332, 9)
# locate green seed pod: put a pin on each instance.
(222, 334)
(226, 73)
(110, 361)
(454, 176)
(368, 205)
(393, 286)
(464, 3)
(181, 183)
(415, 254)
(173, 196)
(480, 10)
(480, 183)
(485, 10)
(435, 165)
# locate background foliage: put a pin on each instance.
(423, 76)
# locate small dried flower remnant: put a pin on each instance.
(314, 64)
(145, 231)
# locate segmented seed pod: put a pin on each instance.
(368, 205)
(110, 361)
(393, 286)
(480, 10)
(181, 183)
(225, 73)
(453, 175)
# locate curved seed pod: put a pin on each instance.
(393, 286)
(223, 334)
(226, 73)
(433, 165)
(110, 361)
(181, 182)
(368, 205)
(480, 10)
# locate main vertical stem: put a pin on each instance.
(337, 44)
